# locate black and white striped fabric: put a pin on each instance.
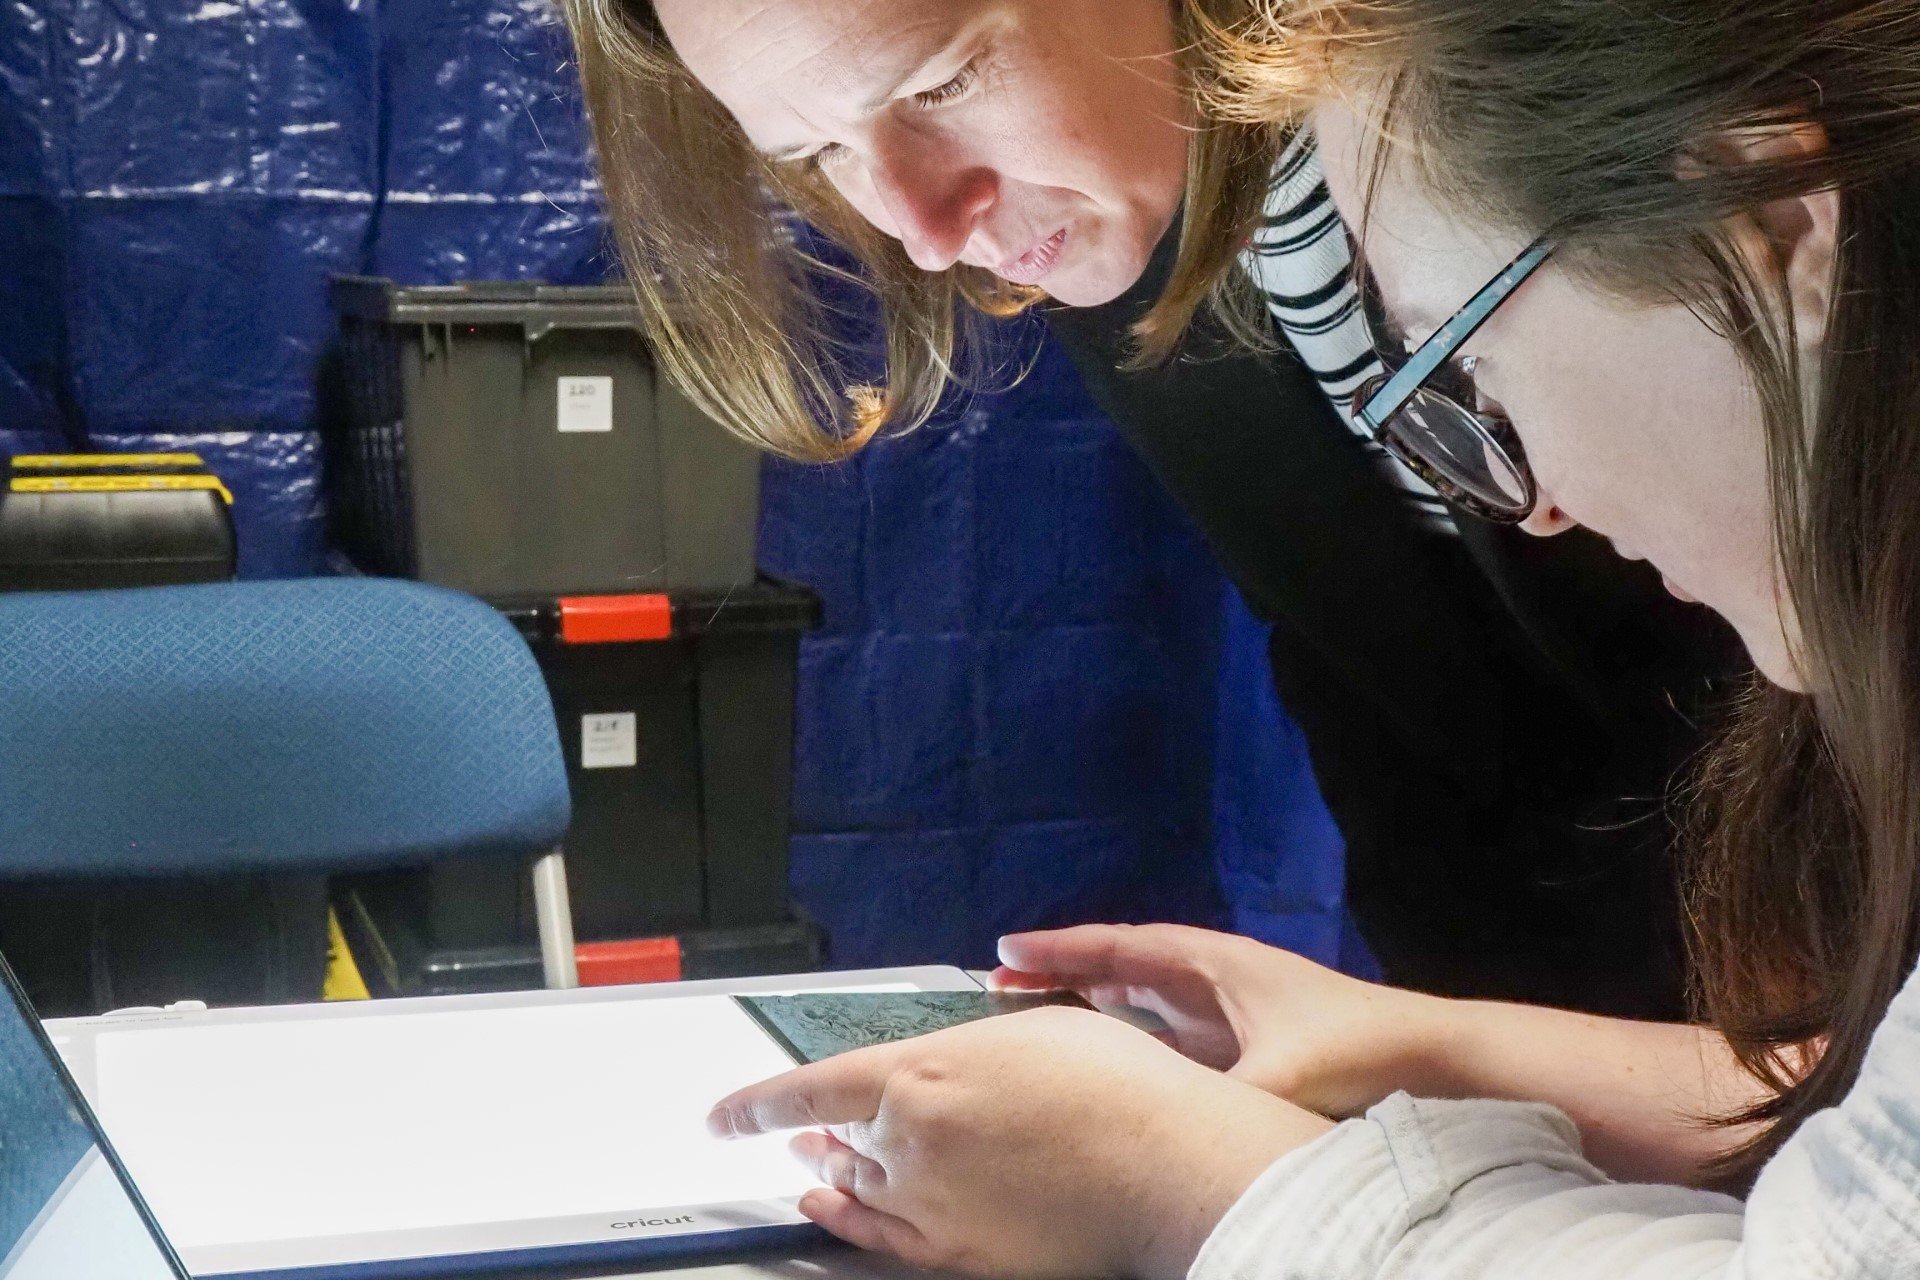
(1302, 260)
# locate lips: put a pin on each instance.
(1674, 589)
(1035, 264)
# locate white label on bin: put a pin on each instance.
(586, 404)
(610, 740)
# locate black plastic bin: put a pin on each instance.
(680, 756)
(99, 521)
(516, 440)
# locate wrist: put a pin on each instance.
(1225, 1158)
(1436, 1044)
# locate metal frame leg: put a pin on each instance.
(553, 912)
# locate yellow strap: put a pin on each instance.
(84, 461)
(118, 484)
(343, 974)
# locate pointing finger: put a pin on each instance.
(842, 1090)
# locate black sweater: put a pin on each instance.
(1494, 719)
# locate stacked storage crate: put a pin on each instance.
(115, 521)
(517, 442)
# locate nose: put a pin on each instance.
(1547, 520)
(935, 201)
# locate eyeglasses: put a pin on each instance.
(1472, 459)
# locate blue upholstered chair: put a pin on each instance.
(319, 726)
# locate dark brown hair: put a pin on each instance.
(735, 304)
(1599, 122)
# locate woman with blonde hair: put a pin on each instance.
(1650, 268)
(1476, 703)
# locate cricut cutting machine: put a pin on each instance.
(452, 1135)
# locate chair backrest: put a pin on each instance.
(318, 725)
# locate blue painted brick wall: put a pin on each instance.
(1033, 700)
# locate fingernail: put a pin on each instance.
(720, 1123)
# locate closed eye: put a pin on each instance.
(952, 90)
(1454, 379)
(826, 155)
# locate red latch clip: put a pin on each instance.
(615, 619)
(616, 964)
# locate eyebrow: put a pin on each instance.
(1415, 327)
(1382, 325)
(786, 155)
(1383, 322)
(878, 103)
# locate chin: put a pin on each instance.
(1073, 291)
(1783, 678)
(1774, 662)
(1107, 276)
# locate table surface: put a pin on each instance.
(828, 1260)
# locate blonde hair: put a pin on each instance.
(749, 317)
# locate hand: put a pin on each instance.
(1052, 1143)
(1330, 1043)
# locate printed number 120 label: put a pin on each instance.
(586, 404)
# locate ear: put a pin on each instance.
(1802, 233)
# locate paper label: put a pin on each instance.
(610, 740)
(586, 404)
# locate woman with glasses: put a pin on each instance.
(1653, 268)
(977, 155)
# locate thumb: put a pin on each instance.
(1308, 1084)
(1272, 1072)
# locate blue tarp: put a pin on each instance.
(1034, 700)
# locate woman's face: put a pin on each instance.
(1042, 140)
(1640, 423)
